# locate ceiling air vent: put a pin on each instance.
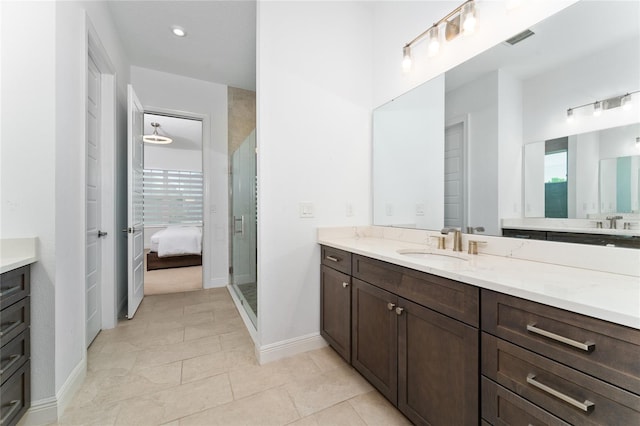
(519, 37)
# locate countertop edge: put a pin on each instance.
(562, 303)
(17, 263)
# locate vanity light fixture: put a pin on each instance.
(462, 19)
(155, 137)
(625, 101)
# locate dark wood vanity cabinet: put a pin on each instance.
(625, 241)
(423, 361)
(556, 366)
(15, 345)
(335, 300)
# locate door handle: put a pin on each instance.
(129, 230)
(101, 234)
(235, 225)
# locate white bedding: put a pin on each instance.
(177, 240)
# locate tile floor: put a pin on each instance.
(187, 359)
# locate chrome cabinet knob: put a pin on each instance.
(345, 285)
(399, 310)
(390, 306)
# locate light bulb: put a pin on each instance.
(468, 18)
(406, 60)
(178, 31)
(570, 115)
(597, 109)
(434, 41)
(625, 102)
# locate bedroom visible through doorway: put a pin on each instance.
(173, 205)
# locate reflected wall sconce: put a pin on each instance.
(155, 137)
(624, 101)
(462, 20)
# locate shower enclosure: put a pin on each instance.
(243, 225)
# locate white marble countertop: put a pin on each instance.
(17, 252)
(604, 295)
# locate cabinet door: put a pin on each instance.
(437, 367)
(335, 310)
(374, 337)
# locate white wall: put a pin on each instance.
(156, 157)
(610, 72)
(586, 173)
(534, 180)
(28, 170)
(509, 146)
(163, 91)
(43, 77)
(408, 148)
(479, 100)
(314, 145)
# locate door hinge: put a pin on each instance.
(231, 270)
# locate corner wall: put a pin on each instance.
(314, 145)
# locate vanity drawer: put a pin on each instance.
(607, 351)
(15, 396)
(14, 285)
(381, 274)
(503, 407)
(454, 299)
(573, 396)
(337, 259)
(14, 320)
(14, 354)
(524, 233)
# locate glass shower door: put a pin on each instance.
(244, 225)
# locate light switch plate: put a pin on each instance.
(306, 210)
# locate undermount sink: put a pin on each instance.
(427, 254)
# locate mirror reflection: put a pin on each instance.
(498, 109)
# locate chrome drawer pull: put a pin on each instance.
(10, 328)
(331, 258)
(586, 346)
(586, 406)
(12, 360)
(15, 404)
(10, 290)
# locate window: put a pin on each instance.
(172, 196)
(555, 178)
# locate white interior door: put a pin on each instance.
(135, 203)
(454, 176)
(93, 303)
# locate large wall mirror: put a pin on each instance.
(468, 148)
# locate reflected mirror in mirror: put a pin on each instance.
(494, 107)
(564, 172)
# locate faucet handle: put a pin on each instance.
(441, 241)
(473, 246)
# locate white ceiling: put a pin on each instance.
(220, 45)
(186, 134)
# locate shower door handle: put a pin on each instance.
(237, 220)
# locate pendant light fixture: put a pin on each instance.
(155, 137)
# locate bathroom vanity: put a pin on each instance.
(15, 320)
(452, 338)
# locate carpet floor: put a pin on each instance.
(173, 280)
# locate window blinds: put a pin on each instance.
(172, 196)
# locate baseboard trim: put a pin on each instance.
(42, 411)
(71, 385)
(245, 318)
(216, 283)
(286, 348)
(49, 410)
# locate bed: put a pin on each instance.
(175, 247)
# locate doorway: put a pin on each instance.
(173, 199)
(454, 176)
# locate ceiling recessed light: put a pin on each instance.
(178, 31)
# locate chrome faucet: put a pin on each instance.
(612, 221)
(457, 237)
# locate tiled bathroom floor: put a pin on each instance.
(187, 359)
